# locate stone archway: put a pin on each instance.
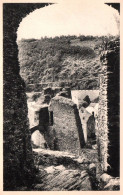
(18, 161)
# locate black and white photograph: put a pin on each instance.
(61, 95)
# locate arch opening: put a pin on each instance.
(17, 146)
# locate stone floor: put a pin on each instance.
(62, 171)
(58, 178)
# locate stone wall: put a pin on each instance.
(17, 152)
(66, 134)
(84, 116)
(108, 118)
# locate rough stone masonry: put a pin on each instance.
(17, 153)
(18, 162)
(108, 121)
(66, 134)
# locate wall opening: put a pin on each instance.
(19, 167)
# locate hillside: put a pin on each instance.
(61, 59)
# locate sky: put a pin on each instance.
(70, 18)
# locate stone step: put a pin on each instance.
(49, 157)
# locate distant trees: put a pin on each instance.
(56, 59)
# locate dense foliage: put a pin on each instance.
(65, 58)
